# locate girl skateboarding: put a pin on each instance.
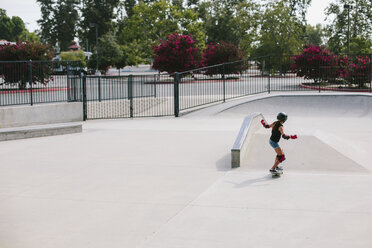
(276, 133)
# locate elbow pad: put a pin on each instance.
(264, 124)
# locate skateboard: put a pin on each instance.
(277, 173)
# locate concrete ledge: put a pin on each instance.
(241, 144)
(40, 114)
(39, 131)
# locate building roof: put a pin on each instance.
(74, 47)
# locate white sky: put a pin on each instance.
(29, 11)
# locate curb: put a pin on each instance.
(196, 81)
(27, 132)
(331, 89)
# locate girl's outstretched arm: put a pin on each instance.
(287, 137)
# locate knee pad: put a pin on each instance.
(281, 158)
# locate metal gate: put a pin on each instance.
(107, 97)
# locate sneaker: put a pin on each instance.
(279, 169)
(272, 171)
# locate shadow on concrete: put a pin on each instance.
(224, 164)
(255, 182)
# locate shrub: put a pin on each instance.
(177, 53)
(22, 51)
(356, 71)
(224, 52)
(16, 66)
(315, 63)
(74, 56)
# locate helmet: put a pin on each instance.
(282, 116)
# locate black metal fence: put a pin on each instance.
(28, 82)
(319, 72)
(32, 82)
(219, 83)
(128, 96)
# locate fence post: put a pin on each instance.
(176, 95)
(155, 85)
(84, 98)
(224, 82)
(268, 80)
(31, 99)
(370, 73)
(68, 82)
(130, 94)
(76, 83)
(319, 73)
(99, 89)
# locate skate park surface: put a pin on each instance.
(168, 183)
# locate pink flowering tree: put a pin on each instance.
(15, 66)
(315, 63)
(220, 53)
(177, 53)
(356, 71)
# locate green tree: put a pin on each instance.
(280, 34)
(192, 3)
(58, 23)
(178, 3)
(360, 23)
(102, 14)
(231, 21)
(30, 36)
(247, 25)
(360, 45)
(19, 27)
(66, 17)
(47, 22)
(132, 53)
(314, 35)
(128, 5)
(298, 8)
(11, 29)
(153, 22)
(109, 54)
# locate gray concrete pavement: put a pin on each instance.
(167, 182)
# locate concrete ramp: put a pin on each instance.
(307, 153)
(306, 106)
